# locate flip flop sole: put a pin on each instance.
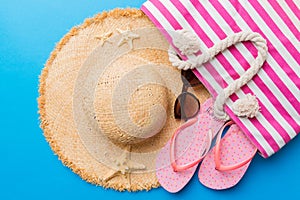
(235, 148)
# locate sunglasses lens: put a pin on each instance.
(186, 106)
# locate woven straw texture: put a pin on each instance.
(80, 146)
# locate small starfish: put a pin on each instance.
(104, 37)
(124, 166)
(127, 37)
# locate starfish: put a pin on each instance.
(127, 37)
(104, 37)
(124, 166)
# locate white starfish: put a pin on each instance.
(124, 166)
(127, 37)
(104, 37)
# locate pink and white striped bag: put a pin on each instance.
(276, 85)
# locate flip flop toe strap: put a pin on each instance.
(176, 167)
(219, 165)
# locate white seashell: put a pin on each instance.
(186, 41)
(246, 107)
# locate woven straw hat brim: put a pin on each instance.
(57, 83)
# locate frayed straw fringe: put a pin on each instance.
(117, 13)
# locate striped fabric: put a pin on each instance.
(277, 84)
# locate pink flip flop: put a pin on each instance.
(225, 165)
(177, 161)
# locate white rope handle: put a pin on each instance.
(258, 41)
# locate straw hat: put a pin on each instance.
(106, 99)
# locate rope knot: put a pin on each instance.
(186, 41)
(246, 107)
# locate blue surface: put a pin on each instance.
(29, 169)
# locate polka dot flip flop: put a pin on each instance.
(225, 165)
(178, 160)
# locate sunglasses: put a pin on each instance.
(187, 104)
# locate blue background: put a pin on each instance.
(29, 169)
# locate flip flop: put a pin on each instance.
(178, 160)
(225, 165)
